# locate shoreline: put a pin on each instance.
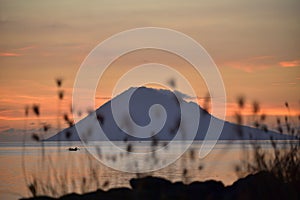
(262, 185)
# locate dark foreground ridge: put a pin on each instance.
(262, 185)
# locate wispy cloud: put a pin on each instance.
(25, 48)
(10, 54)
(105, 98)
(183, 95)
(253, 63)
(292, 63)
(21, 51)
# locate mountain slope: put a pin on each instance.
(139, 108)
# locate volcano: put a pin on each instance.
(176, 117)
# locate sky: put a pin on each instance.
(255, 44)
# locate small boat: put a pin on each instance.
(73, 149)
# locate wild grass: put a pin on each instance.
(283, 158)
(64, 172)
(60, 173)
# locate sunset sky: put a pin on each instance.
(255, 44)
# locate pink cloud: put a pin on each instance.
(293, 63)
(26, 48)
(9, 54)
(253, 63)
(19, 51)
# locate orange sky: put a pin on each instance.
(255, 45)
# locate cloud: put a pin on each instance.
(292, 63)
(16, 52)
(253, 63)
(9, 54)
(25, 48)
(183, 95)
(105, 98)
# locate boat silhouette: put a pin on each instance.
(73, 149)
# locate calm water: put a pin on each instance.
(55, 166)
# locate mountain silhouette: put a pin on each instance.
(142, 104)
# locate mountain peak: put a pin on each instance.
(141, 111)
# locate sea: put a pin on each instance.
(50, 168)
